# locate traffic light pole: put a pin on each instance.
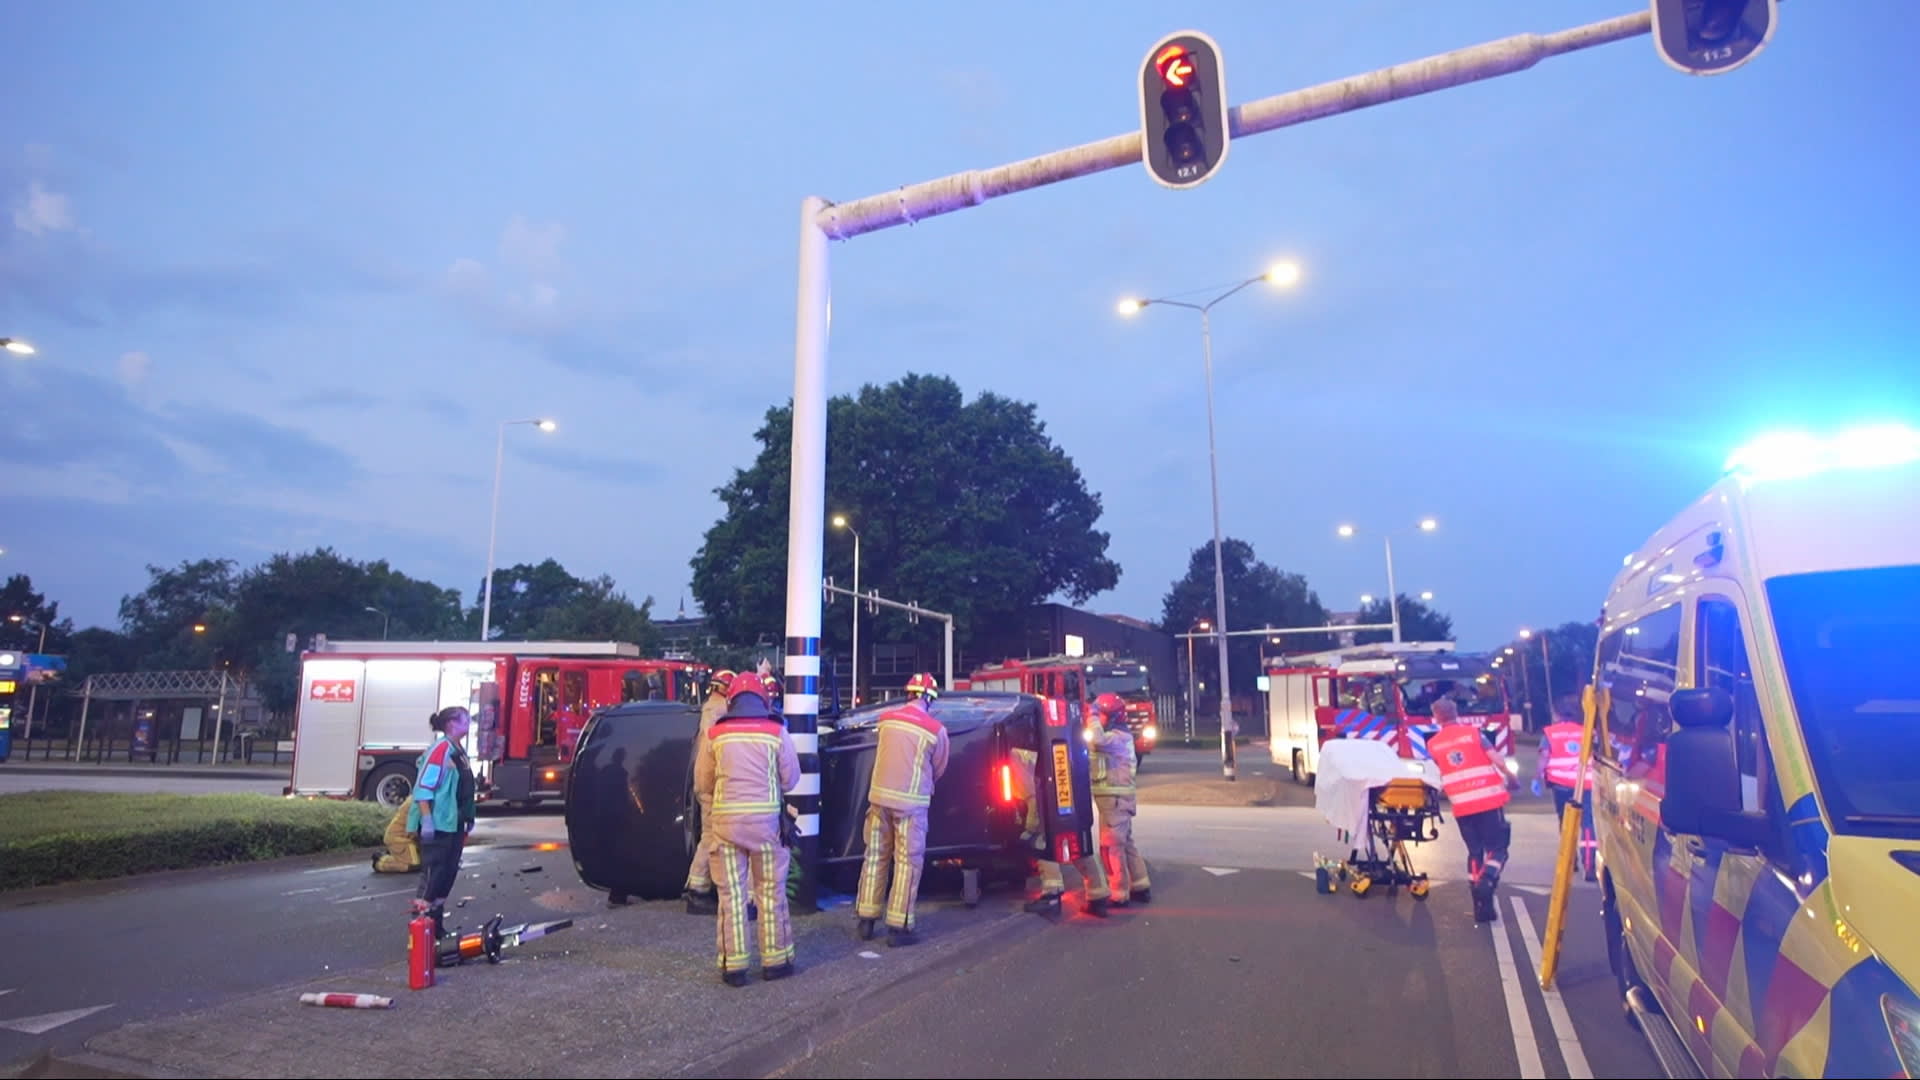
(911, 609)
(821, 221)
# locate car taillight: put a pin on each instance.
(1006, 783)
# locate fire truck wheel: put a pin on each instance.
(389, 785)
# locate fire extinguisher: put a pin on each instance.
(420, 952)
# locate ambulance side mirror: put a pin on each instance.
(1703, 773)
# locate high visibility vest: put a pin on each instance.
(1561, 744)
(1472, 783)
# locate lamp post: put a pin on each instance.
(1282, 274)
(385, 623)
(1393, 591)
(33, 685)
(840, 522)
(493, 522)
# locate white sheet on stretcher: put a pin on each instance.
(1349, 769)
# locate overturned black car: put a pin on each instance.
(632, 821)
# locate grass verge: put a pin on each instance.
(49, 837)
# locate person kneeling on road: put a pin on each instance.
(1053, 882)
(748, 767)
(1475, 777)
(1113, 795)
(402, 855)
(910, 758)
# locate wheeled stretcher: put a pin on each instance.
(1379, 804)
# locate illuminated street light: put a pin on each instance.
(493, 523)
(1393, 593)
(15, 345)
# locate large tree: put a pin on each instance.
(961, 506)
(27, 615)
(175, 620)
(1418, 622)
(1258, 595)
(543, 602)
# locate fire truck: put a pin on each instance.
(362, 715)
(1077, 681)
(1383, 692)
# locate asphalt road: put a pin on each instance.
(1239, 968)
(79, 959)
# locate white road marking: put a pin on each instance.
(1524, 1046)
(333, 869)
(1577, 1068)
(6, 991)
(45, 1022)
(297, 892)
(373, 896)
(1221, 871)
(1232, 828)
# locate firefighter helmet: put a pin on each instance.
(721, 681)
(772, 683)
(1110, 706)
(923, 685)
(746, 683)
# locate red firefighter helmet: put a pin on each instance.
(746, 683)
(1110, 706)
(923, 685)
(721, 681)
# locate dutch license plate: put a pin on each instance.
(1062, 778)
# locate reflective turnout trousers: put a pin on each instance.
(1053, 880)
(896, 840)
(1126, 870)
(763, 869)
(699, 874)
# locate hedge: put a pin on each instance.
(49, 837)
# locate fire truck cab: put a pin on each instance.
(364, 705)
(1074, 682)
(1383, 692)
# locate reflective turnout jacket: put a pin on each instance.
(910, 758)
(749, 766)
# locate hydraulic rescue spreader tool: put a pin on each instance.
(490, 940)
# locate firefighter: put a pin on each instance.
(403, 852)
(699, 894)
(748, 765)
(1053, 883)
(907, 763)
(1113, 795)
(1559, 765)
(1474, 775)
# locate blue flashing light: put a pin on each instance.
(1786, 454)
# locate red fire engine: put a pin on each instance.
(1077, 681)
(1381, 692)
(363, 709)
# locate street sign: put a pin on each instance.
(1712, 37)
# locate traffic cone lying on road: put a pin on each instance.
(348, 1001)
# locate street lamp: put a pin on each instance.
(15, 345)
(33, 687)
(386, 620)
(1393, 593)
(840, 522)
(1282, 274)
(493, 523)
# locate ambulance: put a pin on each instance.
(1756, 702)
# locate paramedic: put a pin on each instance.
(909, 760)
(1560, 746)
(1052, 882)
(1474, 775)
(1113, 795)
(442, 812)
(749, 764)
(699, 894)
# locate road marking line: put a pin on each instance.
(6, 991)
(297, 892)
(1221, 871)
(373, 896)
(1518, 1018)
(45, 1022)
(331, 869)
(1231, 828)
(1577, 1068)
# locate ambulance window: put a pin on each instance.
(1720, 659)
(1641, 677)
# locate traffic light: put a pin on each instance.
(1183, 110)
(1712, 37)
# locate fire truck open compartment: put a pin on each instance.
(364, 707)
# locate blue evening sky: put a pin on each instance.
(288, 265)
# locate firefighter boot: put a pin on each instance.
(1047, 904)
(702, 903)
(1142, 896)
(901, 935)
(777, 971)
(866, 928)
(1098, 908)
(734, 978)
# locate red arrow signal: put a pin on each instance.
(1174, 65)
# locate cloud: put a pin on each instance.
(42, 211)
(602, 467)
(533, 248)
(133, 369)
